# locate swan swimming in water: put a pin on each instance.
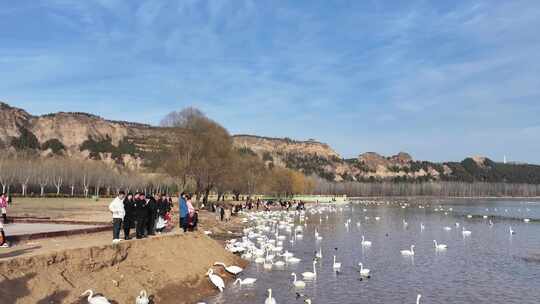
(408, 252)
(336, 266)
(418, 297)
(440, 246)
(318, 255)
(246, 281)
(311, 275)
(270, 299)
(296, 283)
(365, 243)
(363, 271)
(95, 300)
(465, 232)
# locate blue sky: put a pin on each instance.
(441, 80)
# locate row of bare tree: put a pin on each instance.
(69, 177)
(436, 189)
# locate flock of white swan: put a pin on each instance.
(264, 243)
(265, 240)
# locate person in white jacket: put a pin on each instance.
(117, 209)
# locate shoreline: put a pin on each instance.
(171, 266)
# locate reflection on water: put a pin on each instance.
(489, 266)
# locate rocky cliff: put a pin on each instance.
(81, 135)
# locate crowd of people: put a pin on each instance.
(149, 215)
(224, 213)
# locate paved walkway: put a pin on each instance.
(31, 228)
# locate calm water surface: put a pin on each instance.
(490, 266)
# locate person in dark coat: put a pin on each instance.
(140, 214)
(151, 216)
(129, 219)
(222, 213)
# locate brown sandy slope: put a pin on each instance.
(172, 268)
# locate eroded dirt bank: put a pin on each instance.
(171, 268)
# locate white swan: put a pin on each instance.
(511, 231)
(142, 298)
(270, 300)
(317, 236)
(293, 260)
(216, 280)
(279, 264)
(336, 266)
(418, 297)
(268, 265)
(231, 269)
(408, 252)
(311, 275)
(246, 281)
(363, 271)
(422, 227)
(95, 300)
(365, 243)
(319, 254)
(440, 246)
(465, 232)
(296, 283)
(447, 228)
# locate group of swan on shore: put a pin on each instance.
(142, 298)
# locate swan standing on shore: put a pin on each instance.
(408, 252)
(95, 300)
(296, 283)
(270, 300)
(231, 269)
(215, 279)
(142, 298)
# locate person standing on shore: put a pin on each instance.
(3, 207)
(117, 209)
(140, 214)
(162, 209)
(129, 219)
(151, 211)
(184, 212)
(3, 240)
(191, 213)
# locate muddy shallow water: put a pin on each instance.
(489, 266)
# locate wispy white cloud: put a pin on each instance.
(422, 72)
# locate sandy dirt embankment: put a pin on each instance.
(171, 268)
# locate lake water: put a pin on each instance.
(489, 266)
